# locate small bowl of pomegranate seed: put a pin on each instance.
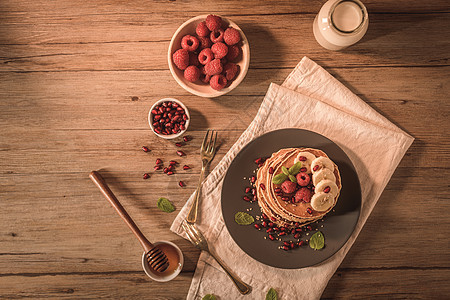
(169, 118)
(209, 55)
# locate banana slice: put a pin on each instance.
(306, 158)
(328, 187)
(322, 162)
(322, 201)
(322, 175)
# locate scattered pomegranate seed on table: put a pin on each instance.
(158, 161)
(186, 138)
(181, 183)
(186, 167)
(145, 149)
(179, 144)
(170, 173)
(157, 168)
(146, 176)
(180, 153)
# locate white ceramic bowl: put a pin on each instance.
(168, 277)
(170, 136)
(199, 88)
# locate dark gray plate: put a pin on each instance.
(338, 225)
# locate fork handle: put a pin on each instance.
(193, 212)
(241, 286)
(109, 195)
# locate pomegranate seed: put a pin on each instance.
(287, 244)
(182, 127)
(293, 245)
(282, 233)
(273, 219)
(170, 167)
(298, 229)
(181, 183)
(301, 243)
(157, 130)
(271, 237)
(282, 228)
(296, 224)
(173, 163)
(179, 144)
(258, 160)
(285, 198)
(269, 230)
(309, 227)
(271, 170)
(146, 176)
(180, 153)
(253, 179)
(276, 229)
(262, 186)
(303, 169)
(246, 198)
(253, 192)
(270, 224)
(158, 161)
(302, 158)
(285, 248)
(186, 167)
(185, 117)
(316, 167)
(309, 210)
(154, 112)
(264, 224)
(248, 189)
(264, 216)
(166, 170)
(326, 190)
(157, 167)
(293, 231)
(170, 173)
(277, 190)
(297, 235)
(257, 226)
(186, 138)
(145, 149)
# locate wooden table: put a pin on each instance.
(77, 79)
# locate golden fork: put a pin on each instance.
(198, 240)
(206, 153)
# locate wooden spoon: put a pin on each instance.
(156, 258)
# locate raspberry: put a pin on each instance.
(205, 56)
(233, 52)
(220, 50)
(202, 69)
(205, 78)
(214, 67)
(223, 61)
(303, 179)
(213, 22)
(192, 73)
(231, 36)
(304, 195)
(193, 59)
(230, 70)
(218, 82)
(181, 59)
(202, 29)
(205, 42)
(216, 36)
(288, 186)
(189, 43)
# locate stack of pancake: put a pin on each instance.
(325, 187)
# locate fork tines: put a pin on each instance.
(157, 260)
(209, 145)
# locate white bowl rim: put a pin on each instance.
(166, 278)
(171, 136)
(214, 94)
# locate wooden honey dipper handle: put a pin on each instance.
(101, 184)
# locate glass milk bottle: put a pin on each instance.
(340, 23)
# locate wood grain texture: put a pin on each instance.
(77, 80)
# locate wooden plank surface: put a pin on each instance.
(77, 80)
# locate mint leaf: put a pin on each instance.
(317, 241)
(243, 218)
(279, 179)
(209, 297)
(272, 295)
(295, 168)
(292, 178)
(285, 171)
(165, 205)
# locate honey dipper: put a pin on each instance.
(156, 258)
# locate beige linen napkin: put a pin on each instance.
(311, 99)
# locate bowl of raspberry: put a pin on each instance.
(209, 55)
